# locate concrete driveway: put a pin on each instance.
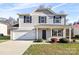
(14, 47)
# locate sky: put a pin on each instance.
(11, 9)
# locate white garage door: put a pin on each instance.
(23, 35)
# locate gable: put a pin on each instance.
(44, 10)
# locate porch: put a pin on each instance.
(49, 31)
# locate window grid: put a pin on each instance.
(57, 19)
(57, 32)
(42, 19)
(27, 19)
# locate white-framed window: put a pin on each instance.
(60, 32)
(57, 19)
(54, 32)
(42, 19)
(57, 32)
(27, 19)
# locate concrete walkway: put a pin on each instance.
(14, 47)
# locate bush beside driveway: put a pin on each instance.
(4, 38)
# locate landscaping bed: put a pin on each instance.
(53, 49)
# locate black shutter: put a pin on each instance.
(53, 19)
(24, 19)
(39, 19)
(45, 19)
(30, 19)
(60, 17)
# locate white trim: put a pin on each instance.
(36, 33)
(51, 32)
(69, 34)
(64, 32)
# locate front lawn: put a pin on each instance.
(3, 41)
(53, 49)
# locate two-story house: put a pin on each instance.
(42, 23)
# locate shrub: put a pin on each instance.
(63, 40)
(1, 35)
(4, 37)
(38, 40)
(54, 40)
(74, 40)
(76, 36)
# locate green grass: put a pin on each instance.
(3, 41)
(53, 49)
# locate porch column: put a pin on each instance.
(36, 33)
(70, 34)
(51, 32)
(64, 33)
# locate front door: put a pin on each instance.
(43, 34)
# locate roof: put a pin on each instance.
(62, 14)
(16, 25)
(22, 29)
(43, 9)
(52, 26)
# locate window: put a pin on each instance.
(57, 19)
(54, 32)
(60, 32)
(42, 19)
(27, 19)
(57, 32)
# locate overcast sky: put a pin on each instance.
(11, 9)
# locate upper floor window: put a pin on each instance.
(42, 19)
(57, 19)
(27, 19)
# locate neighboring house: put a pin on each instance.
(76, 29)
(6, 25)
(4, 28)
(42, 23)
